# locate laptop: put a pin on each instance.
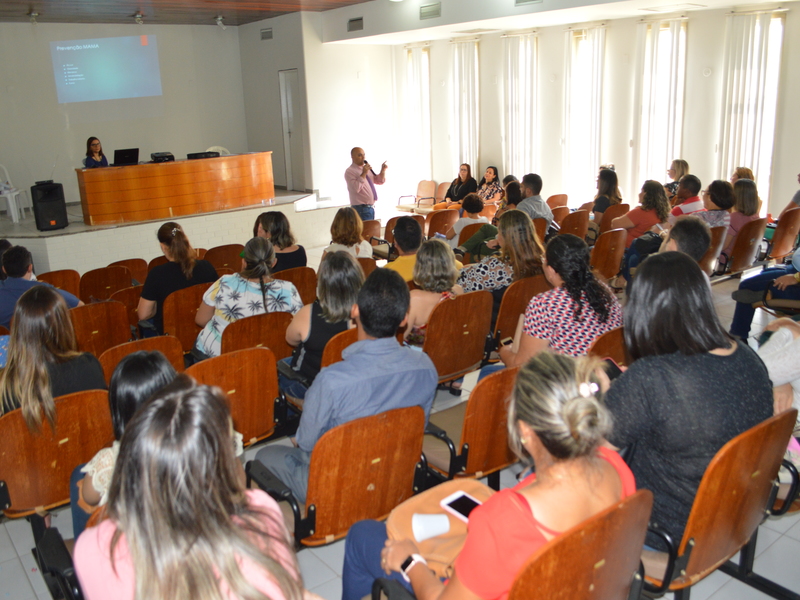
(129, 156)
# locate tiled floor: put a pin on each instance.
(778, 543)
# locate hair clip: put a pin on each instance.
(174, 231)
(588, 389)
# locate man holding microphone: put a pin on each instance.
(361, 181)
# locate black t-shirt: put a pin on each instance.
(457, 191)
(675, 412)
(307, 357)
(167, 278)
(76, 375)
(290, 260)
(601, 203)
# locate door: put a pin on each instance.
(292, 129)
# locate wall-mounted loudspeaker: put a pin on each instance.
(49, 207)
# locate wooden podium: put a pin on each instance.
(113, 195)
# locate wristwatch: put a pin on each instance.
(409, 563)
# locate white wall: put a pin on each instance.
(202, 102)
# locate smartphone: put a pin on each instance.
(460, 504)
(612, 368)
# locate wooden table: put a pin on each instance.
(167, 190)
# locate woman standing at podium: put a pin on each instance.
(94, 154)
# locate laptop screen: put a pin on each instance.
(129, 156)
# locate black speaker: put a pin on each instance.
(49, 207)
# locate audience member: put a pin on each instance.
(794, 202)
(512, 196)
(4, 245)
(274, 226)
(181, 270)
(677, 169)
(557, 422)
(532, 203)
(462, 185)
(741, 173)
(689, 235)
(652, 212)
(717, 200)
(180, 522)
(688, 201)
(489, 188)
(780, 355)
(43, 359)
(473, 205)
(745, 209)
(346, 232)
(250, 292)
(689, 390)
(18, 266)
(607, 193)
(407, 240)
(354, 387)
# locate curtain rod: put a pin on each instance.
(464, 39)
(665, 20)
(780, 9)
(520, 33)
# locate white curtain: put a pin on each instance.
(751, 77)
(465, 103)
(520, 106)
(661, 77)
(417, 114)
(584, 53)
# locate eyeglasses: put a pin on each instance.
(95, 144)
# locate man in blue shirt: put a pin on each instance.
(18, 266)
(376, 374)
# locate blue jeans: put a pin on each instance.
(367, 213)
(79, 516)
(290, 465)
(291, 387)
(489, 369)
(743, 314)
(362, 560)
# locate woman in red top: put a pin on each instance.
(557, 419)
(654, 210)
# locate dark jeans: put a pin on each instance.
(79, 516)
(743, 314)
(362, 560)
(367, 213)
(291, 386)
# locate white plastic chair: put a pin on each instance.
(12, 197)
(221, 149)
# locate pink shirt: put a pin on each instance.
(361, 192)
(99, 581)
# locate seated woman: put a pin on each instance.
(339, 279)
(718, 200)
(677, 169)
(473, 205)
(745, 209)
(435, 275)
(462, 185)
(489, 188)
(346, 235)
(557, 422)
(742, 173)
(94, 154)
(690, 389)
(607, 194)
(137, 377)
(781, 356)
(43, 359)
(250, 292)
(520, 255)
(180, 522)
(274, 226)
(182, 270)
(512, 195)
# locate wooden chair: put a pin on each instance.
(440, 221)
(556, 201)
(250, 380)
(157, 261)
(68, 280)
(456, 334)
(560, 213)
(441, 192)
(471, 438)
(4, 331)
(611, 345)
(515, 301)
(168, 345)
(426, 190)
(540, 227)
(468, 232)
(731, 502)
(576, 223)
(100, 326)
(368, 265)
(709, 261)
(137, 267)
(607, 253)
(359, 470)
(304, 279)
(489, 211)
(372, 229)
(785, 235)
(201, 253)
(99, 284)
(224, 271)
(612, 212)
(336, 345)
(180, 309)
(129, 297)
(259, 331)
(745, 246)
(587, 206)
(226, 257)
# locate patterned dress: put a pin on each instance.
(489, 274)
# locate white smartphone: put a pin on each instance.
(460, 504)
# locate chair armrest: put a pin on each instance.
(791, 496)
(53, 553)
(441, 434)
(147, 325)
(269, 482)
(391, 588)
(287, 371)
(5, 497)
(375, 238)
(672, 552)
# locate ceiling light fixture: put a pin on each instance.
(219, 21)
(138, 18)
(33, 15)
(395, 0)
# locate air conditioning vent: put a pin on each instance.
(266, 34)
(430, 11)
(355, 24)
(526, 2)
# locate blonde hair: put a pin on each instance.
(521, 248)
(346, 227)
(681, 168)
(435, 269)
(744, 173)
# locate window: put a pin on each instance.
(520, 114)
(465, 102)
(417, 113)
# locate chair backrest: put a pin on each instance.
(129, 297)
(137, 267)
(224, 271)
(201, 252)
(576, 223)
(456, 334)
(785, 234)
(4, 330)
(540, 227)
(157, 261)
(250, 380)
(99, 284)
(362, 470)
(611, 345)
(421, 220)
(732, 497)
(368, 265)
(388, 232)
(595, 560)
(515, 301)
(441, 191)
(439, 221)
(745, 247)
(426, 191)
(259, 331)
(304, 279)
(468, 232)
(709, 260)
(612, 212)
(607, 253)
(559, 213)
(68, 280)
(336, 345)
(166, 344)
(372, 228)
(489, 211)
(37, 467)
(100, 326)
(557, 200)
(226, 256)
(180, 309)
(587, 206)
(485, 426)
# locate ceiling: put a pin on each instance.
(165, 12)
